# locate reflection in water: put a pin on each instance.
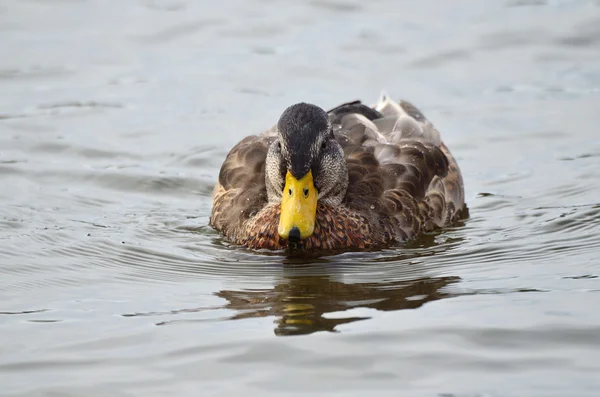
(300, 302)
(310, 292)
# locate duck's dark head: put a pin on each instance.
(304, 165)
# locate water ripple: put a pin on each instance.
(112, 282)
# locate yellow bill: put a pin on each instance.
(298, 206)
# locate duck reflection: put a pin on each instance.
(301, 303)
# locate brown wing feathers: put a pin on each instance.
(240, 193)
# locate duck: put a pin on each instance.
(354, 177)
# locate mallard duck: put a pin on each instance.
(354, 177)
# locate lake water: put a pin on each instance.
(115, 118)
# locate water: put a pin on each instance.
(115, 118)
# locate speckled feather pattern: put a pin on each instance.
(403, 181)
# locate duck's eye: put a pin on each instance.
(305, 191)
(324, 145)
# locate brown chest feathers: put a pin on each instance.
(335, 229)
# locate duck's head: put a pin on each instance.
(305, 165)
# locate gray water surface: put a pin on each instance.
(115, 118)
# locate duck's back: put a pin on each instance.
(401, 175)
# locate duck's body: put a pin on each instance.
(376, 176)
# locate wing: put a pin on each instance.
(400, 173)
(240, 192)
